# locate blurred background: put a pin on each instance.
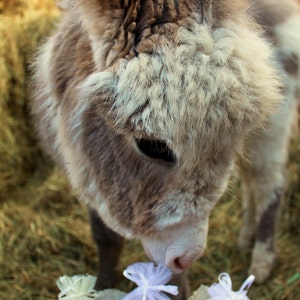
(44, 231)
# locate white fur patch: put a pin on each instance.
(288, 38)
(213, 80)
(99, 81)
(186, 242)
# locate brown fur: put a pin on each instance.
(195, 75)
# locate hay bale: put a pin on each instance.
(22, 6)
(20, 32)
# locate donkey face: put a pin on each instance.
(150, 133)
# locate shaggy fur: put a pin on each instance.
(196, 75)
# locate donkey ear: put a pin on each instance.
(101, 21)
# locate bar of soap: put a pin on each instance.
(200, 294)
(110, 294)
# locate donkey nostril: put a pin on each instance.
(179, 264)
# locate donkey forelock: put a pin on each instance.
(177, 72)
(187, 84)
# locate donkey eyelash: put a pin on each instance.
(156, 149)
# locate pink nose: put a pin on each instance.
(177, 246)
(179, 263)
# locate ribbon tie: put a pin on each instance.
(151, 282)
(78, 287)
(223, 289)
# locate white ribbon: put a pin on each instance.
(78, 287)
(151, 282)
(223, 289)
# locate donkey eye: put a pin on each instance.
(156, 150)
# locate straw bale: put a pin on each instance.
(19, 36)
(22, 6)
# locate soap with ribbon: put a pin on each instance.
(152, 284)
(151, 281)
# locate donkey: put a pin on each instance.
(149, 106)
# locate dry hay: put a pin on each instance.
(44, 231)
(23, 6)
(19, 35)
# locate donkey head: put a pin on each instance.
(157, 125)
